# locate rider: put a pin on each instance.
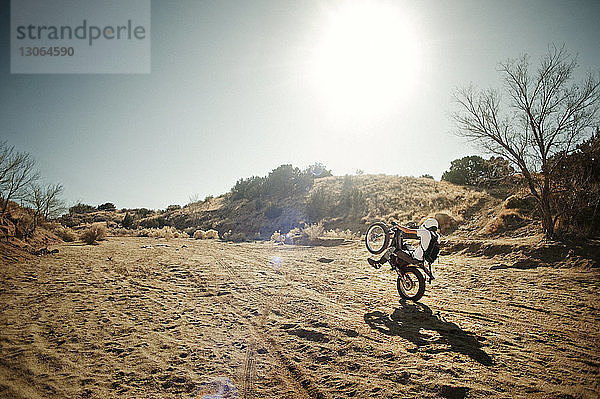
(424, 233)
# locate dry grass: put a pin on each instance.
(206, 235)
(277, 237)
(199, 234)
(212, 234)
(65, 233)
(314, 231)
(311, 234)
(95, 233)
(410, 199)
(506, 220)
(167, 232)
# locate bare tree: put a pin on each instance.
(16, 172)
(45, 202)
(547, 115)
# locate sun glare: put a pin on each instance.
(366, 59)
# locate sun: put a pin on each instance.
(366, 58)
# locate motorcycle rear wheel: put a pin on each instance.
(377, 238)
(411, 284)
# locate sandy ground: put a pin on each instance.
(258, 320)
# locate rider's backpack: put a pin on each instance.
(433, 250)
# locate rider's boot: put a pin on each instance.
(375, 263)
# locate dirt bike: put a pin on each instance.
(410, 282)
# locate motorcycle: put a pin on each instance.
(411, 281)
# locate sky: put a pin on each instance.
(238, 88)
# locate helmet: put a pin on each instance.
(430, 224)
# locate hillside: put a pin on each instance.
(335, 202)
(350, 202)
(18, 237)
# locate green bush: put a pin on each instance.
(318, 204)
(353, 203)
(273, 211)
(250, 188)
(476, 171)
(109, 206)
(142, 212)
(80, 208)
(127, 221)
(281, 182)
(153, 223)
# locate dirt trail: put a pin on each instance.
(268, 321)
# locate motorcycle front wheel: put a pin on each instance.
(411, 284)
(377, 238)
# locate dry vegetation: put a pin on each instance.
(151, 312)
(341, 203)
(95, 233)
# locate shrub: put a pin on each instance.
(155, 222)
(121, 232)
(250, 188)
(273, 211)
(353, 202)
(199, 234)
(345, 234)
(109, 206)
(80, 208)
(142, 212)
(277, 237)
(314, 231)
(171, 208)
(576, 184)
(318, 204)
(95, 233)
(281, 181)
(446, 222)
(65, 233)
(476, 171)
(127, 221)
(166, 232)
(212, 234)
